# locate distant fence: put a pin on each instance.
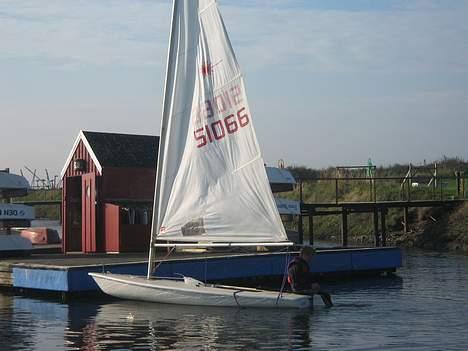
(376, 189)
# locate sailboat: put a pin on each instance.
(211, 185)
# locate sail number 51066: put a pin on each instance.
(220, 128)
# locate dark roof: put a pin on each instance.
(124, 150)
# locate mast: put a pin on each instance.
(162, 142)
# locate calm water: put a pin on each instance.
(424, 308)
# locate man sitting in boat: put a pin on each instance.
(299, 276)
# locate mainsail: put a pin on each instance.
(211, 184)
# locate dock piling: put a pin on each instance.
(311, 228)
(458, 176)
(376, 227)
(383, 214)
(344, 227)
(405, 219)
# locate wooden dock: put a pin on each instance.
(434, 192)
(379, 209)
(6, 275)
(69, 273)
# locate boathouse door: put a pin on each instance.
(72, 215)
(88, 210)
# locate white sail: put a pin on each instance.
(212, 184)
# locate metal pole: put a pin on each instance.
(162, 140)
(300, 228)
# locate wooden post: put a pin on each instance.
(463, 184)
(311, 227)
(376, 227)
(405, 219)
(384, 226)
(441, 191)
(344, 227)
(300, 191)
(336, 190)
(410, 180)
(301, 230)
(457, 174)
(375, 189)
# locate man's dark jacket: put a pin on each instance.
(299, 274)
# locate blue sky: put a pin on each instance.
(330, 82)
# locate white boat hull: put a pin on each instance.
(192, 292)
(13, 185)
(13, 244)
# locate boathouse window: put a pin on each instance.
(135, 215)
(79, 165)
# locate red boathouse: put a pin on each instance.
(108, 188)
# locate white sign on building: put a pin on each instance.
(16, 212)
(288, 207)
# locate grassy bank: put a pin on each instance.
(438, 229)
(44, 211)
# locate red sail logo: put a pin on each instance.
(207, 68)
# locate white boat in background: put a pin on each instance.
(280, 179)
(12, 185)
(12, 215)
(212, 188)
(16, 212)
(14, 245)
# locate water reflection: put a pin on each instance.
(13, 330)
(130, 325)
(103, 324)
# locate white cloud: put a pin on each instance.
(85, 32)
(394, 40)
(416, 35)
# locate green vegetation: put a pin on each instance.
(436, 228)
(43, 211)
